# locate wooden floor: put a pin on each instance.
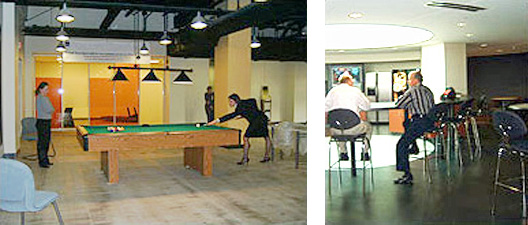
(155, 188)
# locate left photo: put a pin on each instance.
(153, 112)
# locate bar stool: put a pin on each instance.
(343, 119)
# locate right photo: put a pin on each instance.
(426, 110)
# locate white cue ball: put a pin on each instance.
(197, 125)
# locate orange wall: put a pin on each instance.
(54, 96)
(101, 97)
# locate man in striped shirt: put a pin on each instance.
(417, 101)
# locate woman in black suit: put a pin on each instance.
(258, 124)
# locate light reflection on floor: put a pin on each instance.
(383, 151)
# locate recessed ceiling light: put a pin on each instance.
(341, 50)
(483, 45)
(499, 50)
(362, 36)
(469, 35)
(461, 24)
(355, 15)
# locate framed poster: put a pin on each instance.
(334, 71)
(399, 82)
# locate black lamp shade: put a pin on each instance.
(182, 79)
(119, 76)
(151, 77)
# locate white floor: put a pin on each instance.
(383, 151)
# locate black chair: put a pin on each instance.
(68, 118)
(512, 130)
(438, 114)
(466, 115)
(343, 119)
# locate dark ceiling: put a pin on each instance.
(281, 25)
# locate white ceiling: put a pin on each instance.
(503, 26)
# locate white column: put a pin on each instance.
(8, 79)
(445, 65)
(456, 67)
(433, 69)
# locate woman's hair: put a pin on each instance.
(41, 85)
(235, 97)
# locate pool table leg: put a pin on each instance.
(200, 159)
(110, 166)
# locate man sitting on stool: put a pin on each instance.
(418, 100)
(346, 96)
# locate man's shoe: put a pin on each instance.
(404, 180)
(44, 165)
(343, 157)
(50, 164)
(365, 156)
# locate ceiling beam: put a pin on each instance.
(119, 5)
(111, 15)
(93, 33)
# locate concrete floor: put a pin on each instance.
(155, 188)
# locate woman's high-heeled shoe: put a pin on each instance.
(265, 159)
(243, 161)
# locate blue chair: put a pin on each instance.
(29, 129)
(17, 190)
(512, 130)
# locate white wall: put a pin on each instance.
(186, 104)
(287, 86)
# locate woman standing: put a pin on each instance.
(44, 112)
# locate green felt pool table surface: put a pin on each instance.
(153, 128)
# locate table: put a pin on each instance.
(521, 109)
(376, 106)
(197, 142)
(504, 100)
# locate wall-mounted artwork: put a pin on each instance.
(334, 71)
(399, 82)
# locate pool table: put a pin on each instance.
(197, 142)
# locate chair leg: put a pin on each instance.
(468, 138)
(364, 167)
(427, 170)
(476, 136)
(57, 211)
(457, 146)
(524, 188)
(330, 167)
(22, 218)
(495, 184)
(370, 161)
(447, 154)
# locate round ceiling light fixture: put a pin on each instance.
(355, 15)
(367, 36)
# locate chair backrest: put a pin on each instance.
(482, 103)
(343, 118)
(29, 128)
(509, 123)
(465, 107)
(438, 112)
(17, 186)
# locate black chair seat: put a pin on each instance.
(520, 145)
(344, 137)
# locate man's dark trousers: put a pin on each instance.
(414, 128)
